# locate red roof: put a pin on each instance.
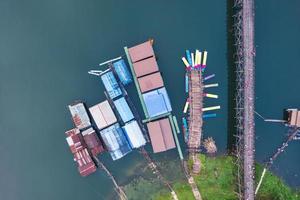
(145, 67)
(86, 165)
(161, 135)
(141, 51)
(150, 82)
(92, 141)
(75, 140)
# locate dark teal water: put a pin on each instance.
(277, 74)
(47, 47)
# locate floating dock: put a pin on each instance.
(79, 115)
(293, 117)
(195, 64)
(153, 96)
(82, 157)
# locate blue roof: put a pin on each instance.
(157, 102)
(111, 85)
(115, 141)
(123, 109)
(134, 134)
(122, 72)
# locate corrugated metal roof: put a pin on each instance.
(115, 141)
(111, 85)
(298, 119)
(75, 140)
(141, 51)
(122, 72)
(86, 165)
(293, 117)
(134, 134)
(157, 102)
(123, 109)
(79, 115)
(92, 141)
(160, 133)
(150, 82)
(103, 115)
(145, 67)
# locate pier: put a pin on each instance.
(195, 117)
(244, 61)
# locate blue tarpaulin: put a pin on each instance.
(122, 72)
(111, 85)
(157, 102)
(115, 141)
(123, 109)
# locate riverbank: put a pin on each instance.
(217, 181)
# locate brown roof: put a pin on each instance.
(161, 135)
(103, 115)
(141, 51)
(86, 165)
(298, 119)
(150, 82)
(293, 117)
(75, 140)
(92, 141)
(145, 67)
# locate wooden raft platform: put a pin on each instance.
(195, 117)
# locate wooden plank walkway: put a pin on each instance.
(195, 113)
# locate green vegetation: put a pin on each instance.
(217, 181)
(273, 188)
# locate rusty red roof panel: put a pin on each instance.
(86, 165)
(150, 82)
(141, 51)
(145, 67)
(161, 135)
(156, 137)
(75, 140)
(167, 133)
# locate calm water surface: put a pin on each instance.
(47, 47)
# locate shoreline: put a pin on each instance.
(218, 178)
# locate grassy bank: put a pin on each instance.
(217, 181)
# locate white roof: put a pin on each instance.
(70, 141)
(103, 114)
(134, 134)
(88, 131)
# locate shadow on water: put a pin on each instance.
(231, 77)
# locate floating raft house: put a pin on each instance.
(293, 117)
(140, 69)
(161, 135)
(86, 165)
(122, 72)
(92, 141)
(111, 85)
(115, 141)
(119, 141)
(157, 102)
(75, 140)
(79, 115)
(153, 95)
(103, 115)
(123, 109)
(150, 82)
(134, 134)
